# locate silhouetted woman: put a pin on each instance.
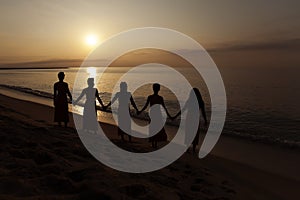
(124, 119)
(90, 122)
(156, 115)
(193, 113)
(60, 100)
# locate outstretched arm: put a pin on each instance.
(99, 99)
(133, 104)
(113, 100)
(181, 111)
(80, 97)
(204, 114)
(145, 106)
(164, 106)
(69, 93)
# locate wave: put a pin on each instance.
(28, 91)
(258, 134)
(143, 116)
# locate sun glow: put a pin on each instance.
(91, 40)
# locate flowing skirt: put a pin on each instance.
(90, 121)
(156, 117)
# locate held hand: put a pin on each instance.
(138, 112)
(74, 103)
(177, 115)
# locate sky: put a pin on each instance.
(235, 32)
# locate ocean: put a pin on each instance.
(262, 103)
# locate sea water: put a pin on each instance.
(262, 102)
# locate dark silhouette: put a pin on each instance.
(60, 100)
(193, 113)
(124, 120)
(156, 115)
(90, 122)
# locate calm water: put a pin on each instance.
(262, 102)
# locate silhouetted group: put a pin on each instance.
(90, 123)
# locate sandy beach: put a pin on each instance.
(40, 160)
(168, 79)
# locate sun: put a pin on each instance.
(91, 40)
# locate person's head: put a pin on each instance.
(156, 87)
(123, 86)
(198, 96)
(61, 76)
(90, 82)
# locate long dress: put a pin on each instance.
(124, 120)
(190, 126)
(157, 118)
(90, 121)
(61, 102)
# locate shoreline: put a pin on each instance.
(271, 172)
(264, 149)
(14, 92)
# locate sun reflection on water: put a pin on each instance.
(92, 71)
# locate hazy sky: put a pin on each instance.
(56, 29)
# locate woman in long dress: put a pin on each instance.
(60, 100)
(90, 122)
(193, 113)
(156, 115)
(124, 120)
